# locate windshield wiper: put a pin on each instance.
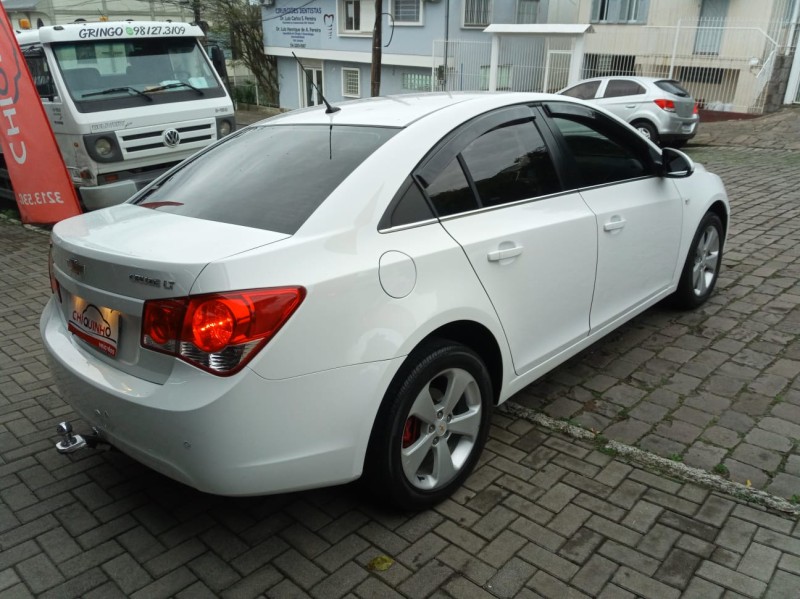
(160, 88)
(115, 90)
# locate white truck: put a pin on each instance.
(126, 100)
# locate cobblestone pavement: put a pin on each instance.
(777, 131)
(716, 388)
(543, 516)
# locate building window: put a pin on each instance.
(620, 11)
(477, 13)
(527, 11)
(351, 83)
(356, 16)
(407, 12)
(417, 82)
(352, 15)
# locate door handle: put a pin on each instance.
(613, 225)
(630, 105)
(497, 255)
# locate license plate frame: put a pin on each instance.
(96, 325)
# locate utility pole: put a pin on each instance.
(196, 9)
(377, 43)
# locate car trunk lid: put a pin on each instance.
(108, 263)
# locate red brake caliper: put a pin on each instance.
(410, 432)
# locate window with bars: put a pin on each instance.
(417, 82)
(527, 11)
(407, 12)
(351, 83)
(477, 13)
(620, 11)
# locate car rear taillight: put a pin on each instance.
(696, 110)
(54, 286)
(667, 105)
(218, 332)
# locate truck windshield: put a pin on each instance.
(111, 74)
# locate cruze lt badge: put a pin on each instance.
(143, 280)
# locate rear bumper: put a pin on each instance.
(673, 128)
(240, 435)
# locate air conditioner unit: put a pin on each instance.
(267, 3)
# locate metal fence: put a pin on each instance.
(727, 65)
(244, 90)
(525, 64)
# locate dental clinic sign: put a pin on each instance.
(42, 186)
(302, 27)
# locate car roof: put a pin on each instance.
(404, 109)
(631, 77)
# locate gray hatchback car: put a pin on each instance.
(660, 109)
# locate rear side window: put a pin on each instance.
(510, 163)
(583, 91)
(269, 177)
(672, 87)
(622, 87)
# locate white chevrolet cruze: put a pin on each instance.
(329, 294)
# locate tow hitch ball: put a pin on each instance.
(71, 442)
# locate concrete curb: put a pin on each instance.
(650, 460)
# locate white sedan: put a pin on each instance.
(329, 294)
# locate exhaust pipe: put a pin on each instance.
(71, 443)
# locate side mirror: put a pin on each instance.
(675, 164)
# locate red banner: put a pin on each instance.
(42, 186)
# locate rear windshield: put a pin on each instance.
(672, 87)
(267, 177)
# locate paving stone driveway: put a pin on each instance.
(717, 387)
(543, 515)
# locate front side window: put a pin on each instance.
(266, 177)
(37, 65)
(603, 151)
(477, 13)
(407, 12)
(617, 88)
(109, 74)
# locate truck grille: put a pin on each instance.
(158, 140)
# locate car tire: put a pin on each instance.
(701, 270)
(431, 427)
(647, 131)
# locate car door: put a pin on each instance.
(533, 246)
(622, 97)
(639, 214)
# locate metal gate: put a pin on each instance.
(529, 63)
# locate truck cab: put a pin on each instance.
(126, 101)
